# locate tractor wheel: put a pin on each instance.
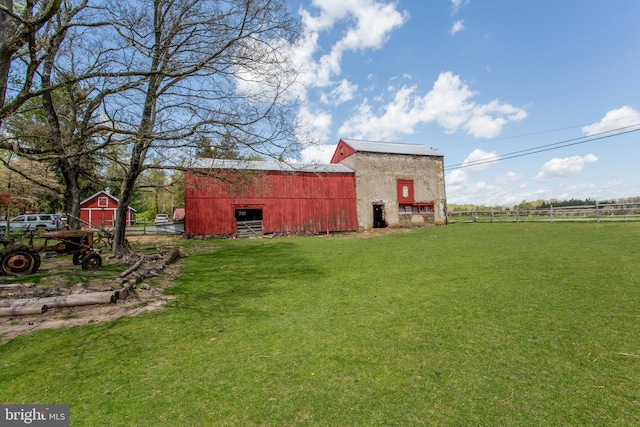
(91, 261)
(77, 257)
(20, 260)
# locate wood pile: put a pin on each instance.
(147, 266)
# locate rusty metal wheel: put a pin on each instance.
(91, 261)
(20, 260)
(77, 257)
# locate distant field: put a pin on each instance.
(471, 324)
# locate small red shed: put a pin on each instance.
(99, 210)
(247, 198)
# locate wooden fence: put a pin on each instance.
(597, 213)
(249, 228)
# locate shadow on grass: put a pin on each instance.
(236, 276)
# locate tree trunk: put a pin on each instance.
(7, 29)
(13, 36)
(22, 310)
(136, 165)
(72, 197)
(120, 248)
(40, 305)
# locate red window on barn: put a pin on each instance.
(405, 191)
(103, 202)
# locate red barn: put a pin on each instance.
(241, 197)
(99, 210)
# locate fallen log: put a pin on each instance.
(133, 268)
(140, 272)
(173, 255)
(17, 285)
(81, 299)
(22, 310)
(31, 305)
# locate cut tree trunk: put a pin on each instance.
(22, 310)
(40, 305)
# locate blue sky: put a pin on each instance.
(479, 80)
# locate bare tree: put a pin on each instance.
(59, 124)
(215, 68)
(21, 31)
(148, 75)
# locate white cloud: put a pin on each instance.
(447, 104)
(374, 21)
(480, 192)
(456, 4)
(316, 124)
(457, 27)
(260, 85)
(479, 160)
(360, 25)
(614, 119)
(508, 178)
(559, 168)
(456, 178)
(318, 153)
(340, 94)
(487, 120)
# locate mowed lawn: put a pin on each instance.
(471, 324)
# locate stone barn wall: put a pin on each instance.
(377, 175)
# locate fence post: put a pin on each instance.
(491, 215)
(551, 213)
(597, 213)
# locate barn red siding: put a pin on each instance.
(100, 214)
(343, 150)
(298, 202)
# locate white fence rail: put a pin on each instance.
(597, 213)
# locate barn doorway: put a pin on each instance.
(378, 216)
(248, 222)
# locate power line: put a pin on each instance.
(547, 131)
(549, 147)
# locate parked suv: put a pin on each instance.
(32, 222)
(161, 219)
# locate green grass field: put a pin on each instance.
(472, 324)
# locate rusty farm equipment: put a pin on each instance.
(18, 260)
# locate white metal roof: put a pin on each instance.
(202, 163)
(104, 193)
(391, 147)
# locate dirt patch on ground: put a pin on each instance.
(55, 276)
(144, 300)
(375, 232)
(57, 272)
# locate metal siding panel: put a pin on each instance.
(292, 203)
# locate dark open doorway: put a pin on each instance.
(248, 214)
(248, 222)
(378, 216)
